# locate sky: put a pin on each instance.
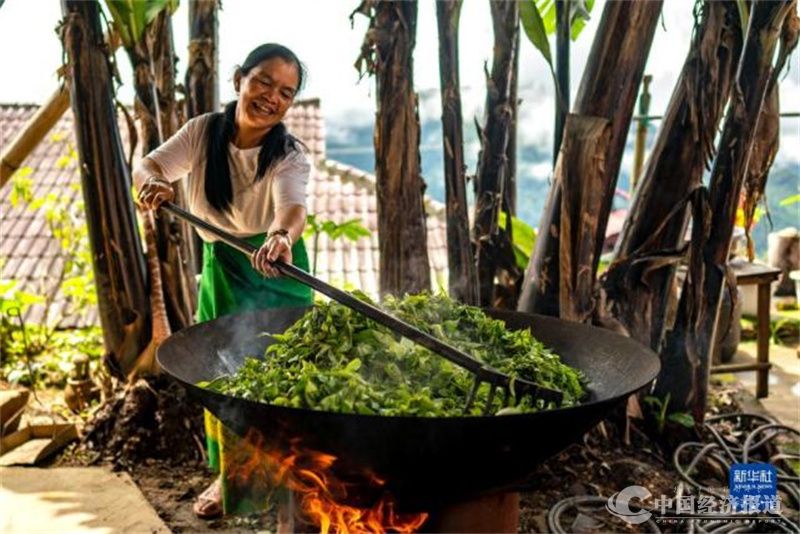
(321, 34)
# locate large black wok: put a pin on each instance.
(425, 462)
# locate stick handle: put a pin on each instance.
(376, 314)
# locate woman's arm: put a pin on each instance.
(290, 218)
(153, 188)
(166, 164)
(289, 199)
(285, 230)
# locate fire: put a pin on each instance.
(308, 474)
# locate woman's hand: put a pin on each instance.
(154, 192)
(277, 247)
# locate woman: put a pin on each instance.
(247, 175)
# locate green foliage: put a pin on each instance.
(352, 230)
(131, 17)
(790, 200)
(785, 331)
(579, 15)
(524, 239)
(539, 21)
(744, 16)
(51, 365)
(535, 29)
(658, 410)
(21, 187)
(336, 359)
(29, 351)
(13, 304)
(12, 298)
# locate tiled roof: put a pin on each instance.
(304, 120)
(340, 193)
(30, 255)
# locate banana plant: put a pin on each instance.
(538, 19)
(131, 17)
(142, 25)
(351, 230)
(524, 239)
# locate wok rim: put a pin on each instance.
(644, 352)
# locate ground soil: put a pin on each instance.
(603, 464)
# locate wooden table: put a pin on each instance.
(761, 275)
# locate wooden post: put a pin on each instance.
(762, 354)
(32, 133)
(641, 132)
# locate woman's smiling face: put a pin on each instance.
(265, 93)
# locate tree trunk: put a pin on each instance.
(201, 82)
(686, 354)
(765, 147)
(146, 99)
(164, 59)
(768, 135)
(638, 285)
(175, 238)
(562, 72)
(152, 60)
(617, 61)
(580, 172)
(402, 233)
(116, 250)
(462, 280)
(202, 88)
(492, 245)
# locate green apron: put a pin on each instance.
(229, 284)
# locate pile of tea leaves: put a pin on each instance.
(336, 359)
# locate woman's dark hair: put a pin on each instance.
(222, 126)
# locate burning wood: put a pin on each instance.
(321, 496)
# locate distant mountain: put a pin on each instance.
(352, 144)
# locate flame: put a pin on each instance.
(308, 474)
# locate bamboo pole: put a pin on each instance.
(641, 132)
(32, 133)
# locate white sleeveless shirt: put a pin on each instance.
(254, 203)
